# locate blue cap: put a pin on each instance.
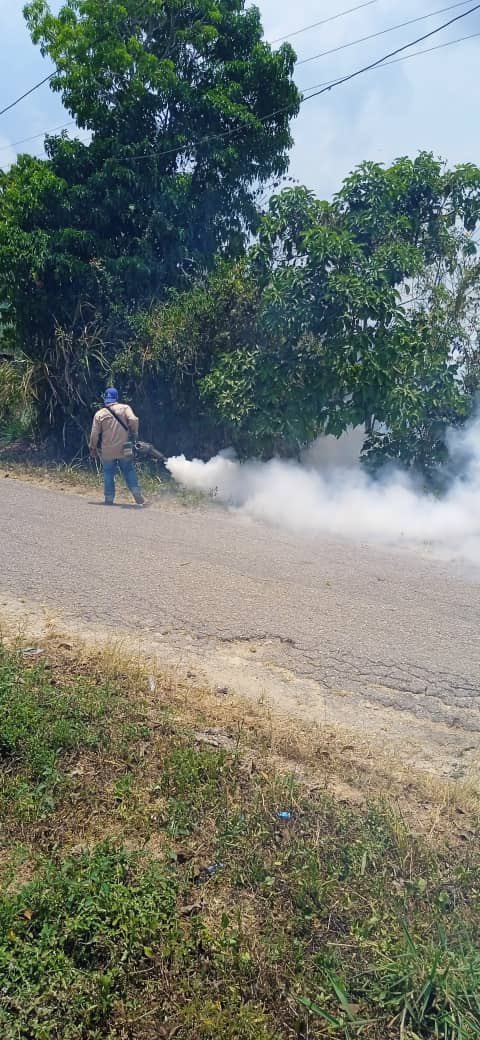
(110, 395)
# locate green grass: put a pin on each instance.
(156, 482)
(44, 724)
(15, 428)
(166, 897)
(73, 936)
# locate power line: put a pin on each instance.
(32, 90)
(382, 32)
(406, 57)
(325, 88)
(27, 93)
(367, 3)
(324, 21)
(392, 54)
(34, 137)
(333, 18)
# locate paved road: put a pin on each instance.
(397, 628)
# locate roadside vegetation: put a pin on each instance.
(172, 254)
(84, 478)
(159, 881)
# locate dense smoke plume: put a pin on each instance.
(322, 495)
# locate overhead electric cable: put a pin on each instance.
(382, 32)
(27, 93)
(25, 140)
(325, 88)
(341, 14)
(324, 21)
(392, 54)
(405, 57)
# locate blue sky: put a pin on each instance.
(431, 101)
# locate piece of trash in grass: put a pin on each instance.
(191, 910)
(284, 816)
(32, 651)
(152, 684)
(214, 868)
(208, 872)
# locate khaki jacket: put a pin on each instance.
(113, 436)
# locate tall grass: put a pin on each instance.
(17, 412)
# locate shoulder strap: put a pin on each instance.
(117, 417)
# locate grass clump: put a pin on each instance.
(195, 782)
(69, 939)
(222, 901)
(44, 724)
(431, 989)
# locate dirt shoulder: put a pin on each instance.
(175, 862)
(226, 704)
(85, 480)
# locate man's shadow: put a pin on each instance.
(115, 505)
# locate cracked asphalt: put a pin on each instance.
(396, 627)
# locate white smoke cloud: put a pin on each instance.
(346, 502)
(335, 452)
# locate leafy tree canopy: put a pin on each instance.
(362, 311)
(188, 112)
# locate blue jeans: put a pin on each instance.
(129, 474)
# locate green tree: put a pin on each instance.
(436, 212)
(188, 112)
(363, 313)
(171, 349)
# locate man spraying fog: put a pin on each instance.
(114, 431)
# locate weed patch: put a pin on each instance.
(73, 938)
(83, 478)
(44, 724)
(224, 901)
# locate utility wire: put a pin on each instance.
(27, 93)
(392, 54)
(333, 18)
(406, 57)
(325, 88)
(382, 32)
(34, 137)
